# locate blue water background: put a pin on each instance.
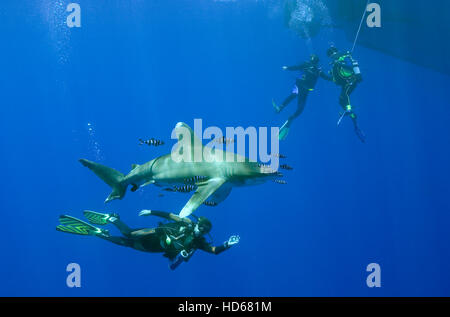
(136, 68)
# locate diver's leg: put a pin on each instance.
(103, 219)
(139, 233)
(301, 102)
(123, 228)
(288, 100)
(76, 226)
(146, 240)
(123, 241)
(348, 107)
(149, 240)
(284, 130)
(344, 98)
(135, 239)
(344, 101)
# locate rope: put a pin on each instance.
(360, 24)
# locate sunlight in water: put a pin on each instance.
(53, 12)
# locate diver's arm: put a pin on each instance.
(325, 76)
(214, 249)
(220, 248)
(295, 67)
(165, 215)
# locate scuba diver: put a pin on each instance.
(345, 72)
(178, 239)
(303, 86)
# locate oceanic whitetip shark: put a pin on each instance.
(213, 172)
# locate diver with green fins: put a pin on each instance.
(345, 73)
(304, 84)
(177, 239)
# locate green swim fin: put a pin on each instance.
(284, 130)
(76, 226)
(277, 109)
(96, 218)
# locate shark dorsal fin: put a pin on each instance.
(189, 146)
(182, 131)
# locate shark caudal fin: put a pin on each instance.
(110, 176)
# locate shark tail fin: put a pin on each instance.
(110, 176)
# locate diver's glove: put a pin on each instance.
(145, 212)
(232, 241)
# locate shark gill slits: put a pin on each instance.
(280, 181)
(281, 156)
(210, 203)
(151, 142)
(286, 167)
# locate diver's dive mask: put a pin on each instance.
(203, 226)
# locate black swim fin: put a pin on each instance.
(360, 135)
(277, 109)
(341, 116)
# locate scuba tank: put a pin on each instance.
(183, 256)
(352, 64)
(356, 69)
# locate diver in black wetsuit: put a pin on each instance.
(346, 73)
(303, 86)
(177, 239)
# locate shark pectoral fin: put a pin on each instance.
(221, 194)
(204, 190)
